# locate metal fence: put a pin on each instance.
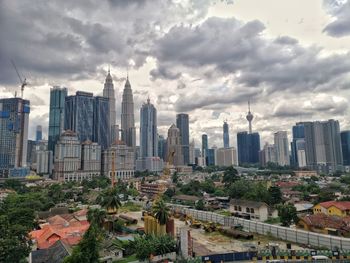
(288, 234)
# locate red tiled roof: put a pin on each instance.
(325, 221)
(342, 205)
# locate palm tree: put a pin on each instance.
(96, 216)
(161, 211)
(109, 199)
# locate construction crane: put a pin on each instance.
(23, 82)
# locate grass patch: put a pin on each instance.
(130, 207)
(224, 212)
(273, 221)
(130, 258)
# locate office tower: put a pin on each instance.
(127, 116)
(345, 146)
(44, 158)
(101, 129)
(298, 155)
(211, 157)
(175, 155)
(124, 161)
(249, 118)
(162, 151)
(88, 116)
(148, 130)
(248, 147)
(226, 157)
(182, 123)
(91, 156)
(56, 115)
(79, 114)
(14, 118)
(226, 136)
(108, 92)
(282, 148)
(267, 155)
(39, 133)
(192, 154)
(204, 146)
(323, 146)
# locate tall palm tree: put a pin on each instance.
(96, 216)
(109, 199)
(161, 211)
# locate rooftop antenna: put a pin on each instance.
(23, 82)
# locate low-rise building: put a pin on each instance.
(333, 208)
(259, 211)
(305, 173)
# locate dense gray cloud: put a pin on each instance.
(340, 12)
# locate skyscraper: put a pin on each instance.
(248, 145)
(127, 116)
(148, 130)
(250, 118)
(162, 151)
(175, 156)
(226, 136)
(323, 146)
(14, 119)
(205, 147)
(79, 114)
(345, 146)
(108, 92)
(282, 148)
(56, 116)
(267, 155)
(88, 116)
(298, 146)
(182, 124)
(39, 133)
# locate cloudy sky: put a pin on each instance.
(207, 58)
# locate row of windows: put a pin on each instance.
(247, 210)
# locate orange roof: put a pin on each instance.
(342, 205)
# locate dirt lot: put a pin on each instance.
(208, 243)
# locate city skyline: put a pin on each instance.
(157, 73)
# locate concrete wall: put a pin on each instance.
(284, 233)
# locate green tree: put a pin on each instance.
(199, 205)
(230, 176)
(287, 214)
(275, 195)
(97, 217)
(161, 211)
(239, 189)
(109, 199)
(87, 249)
(175, 178)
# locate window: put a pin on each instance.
(252, 210)
(235, 208)
(239, 208)
(247, 210)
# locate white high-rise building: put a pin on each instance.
(282, 148)
(267, 154)
(226, 157)
(44, 158)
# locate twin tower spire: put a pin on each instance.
(128, 130)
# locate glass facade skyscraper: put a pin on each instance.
(248, 145)
(182, 124)
(39, 133)
(204, 145)
(148, 130)
(14, 119)
(345, 146)
(298, 157)
(78, 115)
(88, 116)
(101, 123)
(56, 117)
(226, 136)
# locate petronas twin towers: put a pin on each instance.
(128, 131)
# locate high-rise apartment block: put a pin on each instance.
(267, 155)
(227, 157)
(248, 147)
(282, 148)
(345, 145)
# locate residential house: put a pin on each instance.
(259, 211)
(325, 224)
(333, 208)
(54, 254)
